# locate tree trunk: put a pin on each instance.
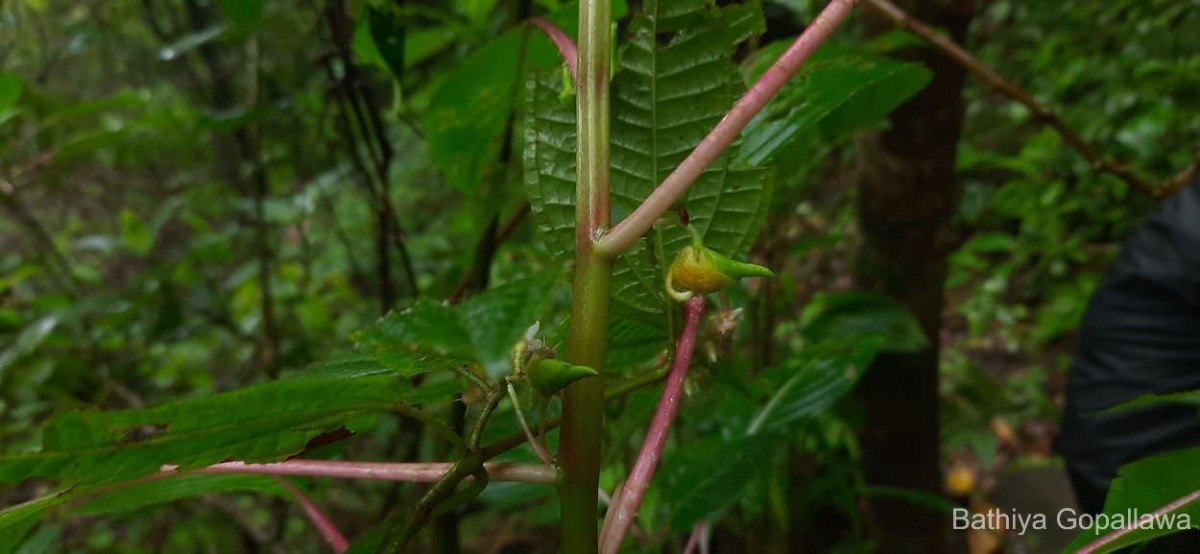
(907, 194)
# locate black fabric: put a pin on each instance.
(1141, 335)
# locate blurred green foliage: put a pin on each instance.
(192, 203)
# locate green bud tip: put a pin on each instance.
(550, 375)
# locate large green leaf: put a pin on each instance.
(708, 476)
(16, 521)
(1144, 487)
(171, 489)
(676, 80)
(633, 343)
(483, 330)
(549, 159)
(810, 383)
(470, 109)
(705, 478)
(426, 336)
(262, 423)
(838, 90)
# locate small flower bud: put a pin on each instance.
(698, 269)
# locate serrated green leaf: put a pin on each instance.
(708, 476)
(1143, 487)
(852, 315)
(676, 81)
(549, 160)
(426, 336)
(471, 108)
(431, 335)
(496, 320)
(632, 343)
(262, 423)
(839, 90)
(16, 521)
(171, 489)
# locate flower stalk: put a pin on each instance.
(628, 499)
(409, 472)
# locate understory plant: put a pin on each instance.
(646, 167)
(657, 145)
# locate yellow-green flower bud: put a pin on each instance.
(697, 269)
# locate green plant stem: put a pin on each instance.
(583, 402)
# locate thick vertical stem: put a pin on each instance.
(583, 402)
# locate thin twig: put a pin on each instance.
(1042, 112)
(500, 446)
(1141, 523)
(628, 499)
(625, 233)
(322, 522)
(541, 452)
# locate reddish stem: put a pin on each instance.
(415, 472)
(1112, 537)
(629, 499)
(566, 46)
(332, 535)
(677, 183)
(698, 539)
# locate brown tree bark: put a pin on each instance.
(907, 194)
